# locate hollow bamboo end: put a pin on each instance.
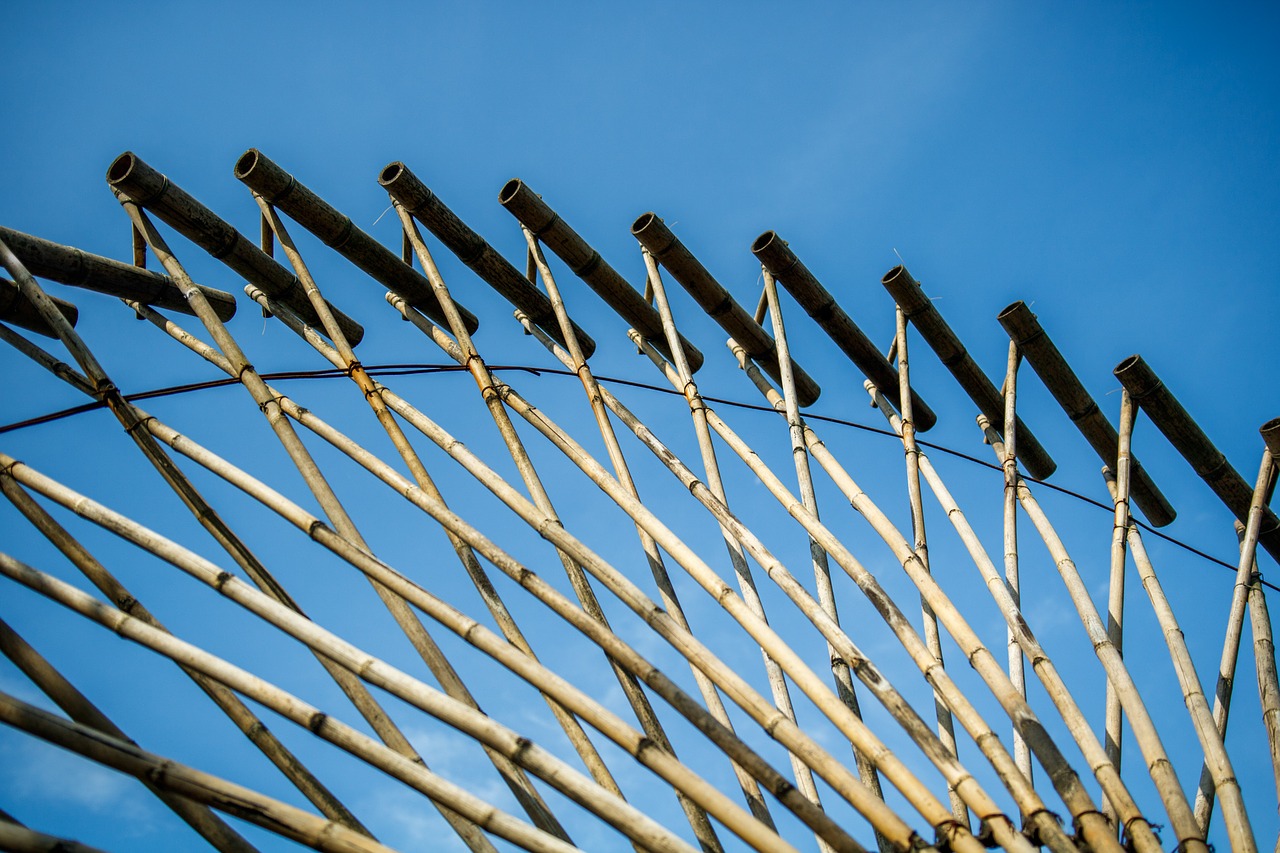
(510, 190)
(764, 242)
(644, 222)
(896, 276)
(121, 167)
(1271, 435)
(246, 164)
(1013, 311)
(391, 173)
(1018, 321)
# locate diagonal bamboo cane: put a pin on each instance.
(577, 737)
(475, 364)
(1217, 763)
(409, 624)
(1173, 798)
(16, 837)
(452, 711)
(236, 800)
(1264, 655)
(715, 705)
(78, 707)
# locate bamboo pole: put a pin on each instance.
(404, 187)
(281, 189)
(141, 431)
(1174, 800)
(128, 174)
(369, 391)
(1186, 436)
(906, 291)
(778, 258)
(1113, 720)
(22, 840)
(582, 588)
(318, 722)
(979, 656)
(1235, 626)
(78, 707)
(408, 623)
(1138, 829)
(920, 542)
(15, 309)
(533, 213)
(240, 715)
(1264, 655)
(236, 800)
(777, 727)
(818, 556)
(99, 385)
(371, 669)
(813, 687)
(1044, 357)
(656, 237)
(715, 705)
(1009, 464)
(1217, 763)
(66, 265)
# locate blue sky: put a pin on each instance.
(1111, 164)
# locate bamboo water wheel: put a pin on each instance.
(631, 586)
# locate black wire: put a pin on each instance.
(412, 369)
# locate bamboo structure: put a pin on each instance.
(590, 629)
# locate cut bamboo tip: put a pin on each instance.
(518, 199)
(1271, 435)
(778, 258)
(1047, 361)
(18, 310)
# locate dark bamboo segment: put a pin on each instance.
(906, 291)
(657, 239)
(281, 189)
(1185, 434)
(67, 265)
(473, 250)
(534, 213)
(128, 174)
(1271, 435)
(1043, 356)
(818, 303)
(15, 309)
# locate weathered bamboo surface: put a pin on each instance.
(601, 631)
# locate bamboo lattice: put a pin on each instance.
(665, 611)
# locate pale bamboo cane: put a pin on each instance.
(22, 840)
(849, 724)
(980, 658)
(1173, 798)
(100, 386)
(348, 362)
(920, 542)
(1217, 762)
(1017, 672)
(239, 714)
(715, 705)
(777, 726)
(1264, 655)
(1113, 720)
(533, 484)
(236, 800)
(1235, 626)
(1136, 826)
(656, 293)
(375, 671)
(78, 707)
(818, 556)
(404, 617)
(320, 723)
